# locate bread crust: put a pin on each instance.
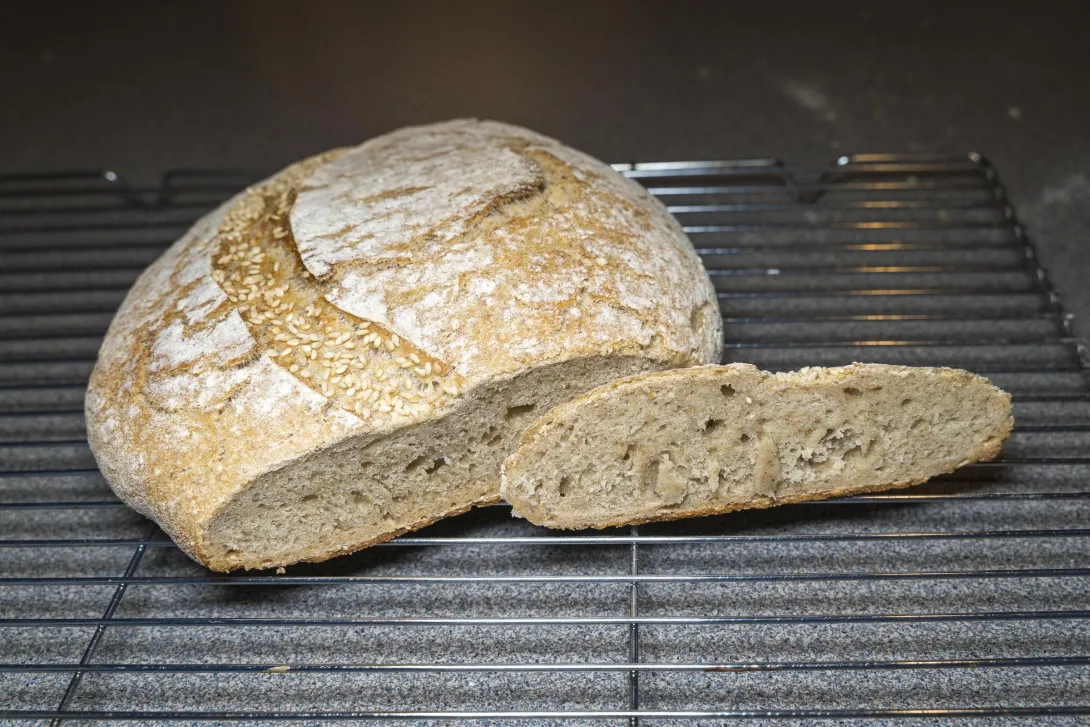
(421, 275)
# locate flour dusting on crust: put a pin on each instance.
(545, 250)
(367, 290)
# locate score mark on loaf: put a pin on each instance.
(348, 350)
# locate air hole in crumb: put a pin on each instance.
(650, 475)
(853, 453)
(435, 465)
(562, 486)
(712, 425)
(852, 391)
(727, 390)
(627, 453)
(916, 424)
(517, 411)
(357, 497)
(231, 552)
(744, 438)
(906, 402)
(415, 464)
(493, 436)
(309, 498)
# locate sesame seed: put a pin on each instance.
(414, 358)
(395, 340)
(305, 373)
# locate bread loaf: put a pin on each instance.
(713, 439)
(348, 350)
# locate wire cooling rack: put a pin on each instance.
(961, 601)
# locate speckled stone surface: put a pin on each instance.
(143, 91)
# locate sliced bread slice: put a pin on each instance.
(712, 439)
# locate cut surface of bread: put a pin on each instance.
(368, 489)
(713, 439)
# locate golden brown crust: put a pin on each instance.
(232, 358)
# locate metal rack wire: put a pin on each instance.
(964, 599)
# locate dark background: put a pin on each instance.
(142, 88)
